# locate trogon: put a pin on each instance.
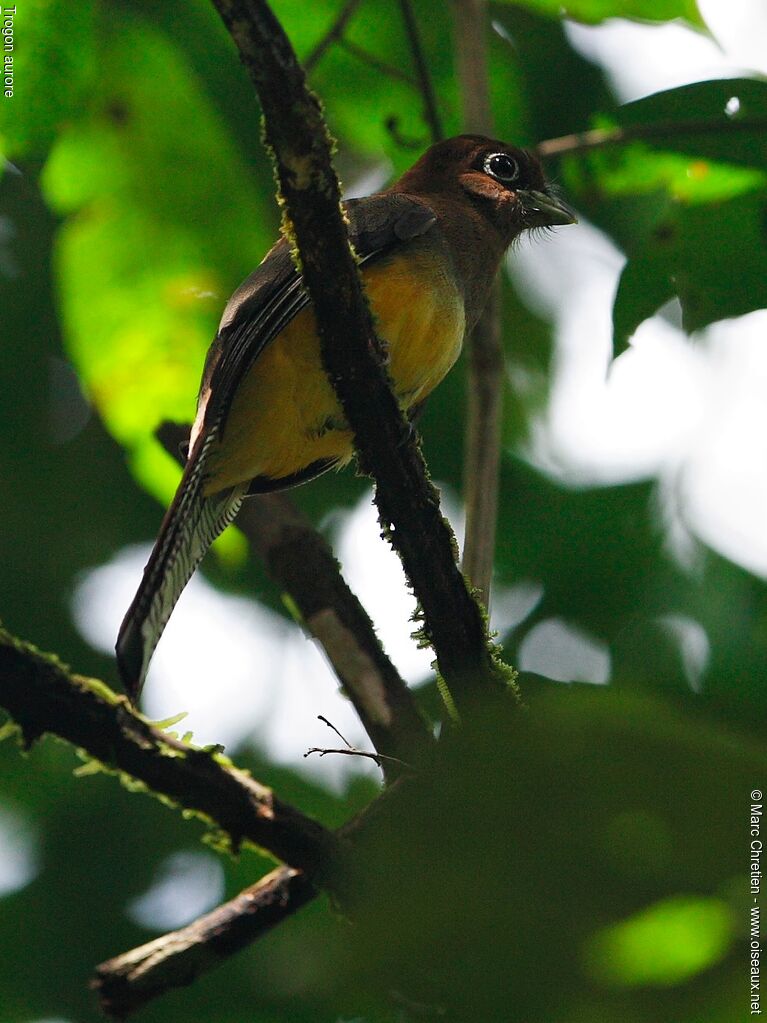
(267, 417)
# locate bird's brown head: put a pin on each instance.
(503, 182)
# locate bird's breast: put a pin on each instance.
(285, 414)
(420, 316)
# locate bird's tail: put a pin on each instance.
(190, 526)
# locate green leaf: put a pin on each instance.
(167, 723)
(643, 288)
(638, 170)
(700, 234)
(737, 107)
(591, 12)
(713, 257)
(55, 60)
(163, 220)
(663, 945)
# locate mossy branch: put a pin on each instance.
(43, 696)
(176, 959)
(352, 354)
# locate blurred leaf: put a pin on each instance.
(380, 66)
(529, 343)
(593, 11)
(142, 274)
(536, 805)
(546, 85)
(52, 80)
(689, 188)
(724, 102)
(597, 551)
(664, 944)
(625, 187)
(713, 257)
(636, 169)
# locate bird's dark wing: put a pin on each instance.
(274, 293)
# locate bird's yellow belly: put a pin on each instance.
(285, 414)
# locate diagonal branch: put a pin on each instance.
(302, 564)
(299, 559)
(176, 959)
(482, 456)
(333, 35)
(363, 55)
(602, 138)
(128, 981)
(352, 354)
(42, 695)
(431, 113)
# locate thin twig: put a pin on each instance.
(128, 981)
(376, 63)
(485, 347)
(483, 445)
(471, 35)
(599, 138)
(431, 113)
(350, 750)
(300, 561)
(333, 35)
(332, 727)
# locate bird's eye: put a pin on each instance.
(502, 167)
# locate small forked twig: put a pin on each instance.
(334, 34)
(344, 740)
(350, 750)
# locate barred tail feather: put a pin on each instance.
(190, 526)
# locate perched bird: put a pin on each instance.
(267, 417)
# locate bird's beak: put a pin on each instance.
(546, 210)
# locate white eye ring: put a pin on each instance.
(501, 166)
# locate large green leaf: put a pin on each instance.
(593, 11)
(734, 111)
(162, 223)
(713, 257)
(695, 173)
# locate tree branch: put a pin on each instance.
(42, 695)
(431, 113)
(353, 358)
(352, 354)
(302, 564)
(176, 959)
(601, 138)
(482, 451)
